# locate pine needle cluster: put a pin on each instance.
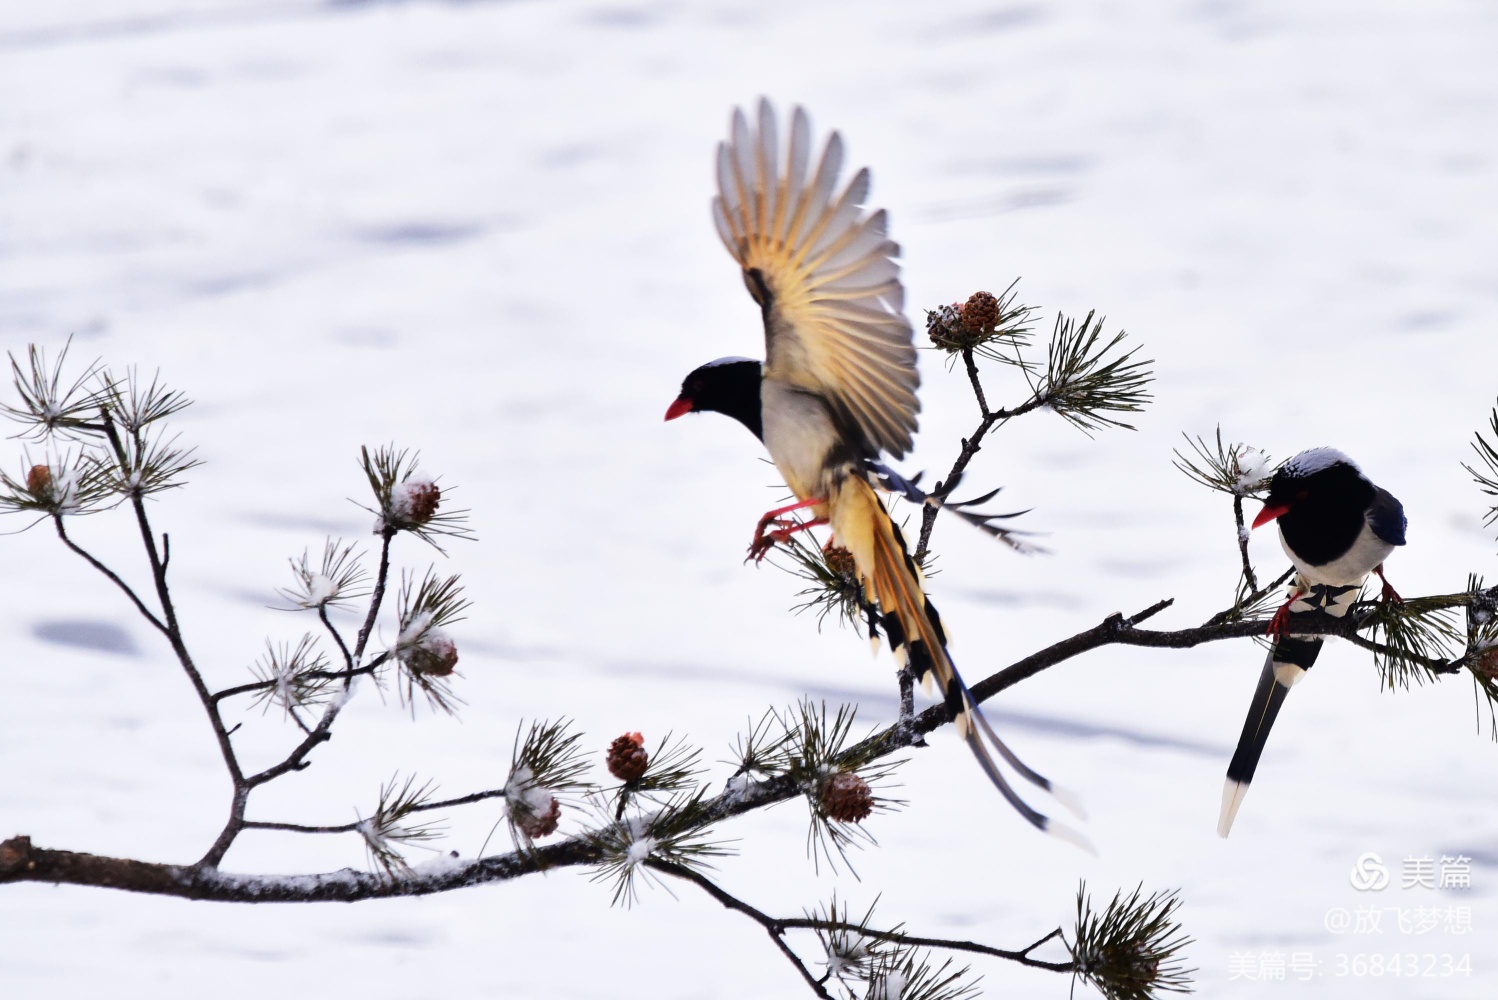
(1132, 950)
(295, 676)
(678, 833)
(833, 587)
(396, 825)
(1412, 631)
(1240, 470)
(1087, 379)
(1485, 473)
(867, 963)
(546, 771)
(338, 580)
(405, 501)
(106, 437)
(426, 654)
(810, 746)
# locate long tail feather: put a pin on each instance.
(892, 582)
(893, 482)
(1286, 664)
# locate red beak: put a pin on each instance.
(1269, 513)
(682, 406)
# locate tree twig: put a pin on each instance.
(140, 606)
(775, 928)
(970, 447)
(1248, 569)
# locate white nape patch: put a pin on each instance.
(1287, 675)
(1063, 832)
(1313, 460)
(1232, 798)
(1070, 800)
(728, 361)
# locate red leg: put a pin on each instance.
(1389, 594)
(1282, 616)
(758, 545)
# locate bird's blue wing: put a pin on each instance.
(1386, 517)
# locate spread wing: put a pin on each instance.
(824, 273)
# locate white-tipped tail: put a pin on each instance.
(963, 721)
(1232, 798)
(1070, 800)
(1063, 832)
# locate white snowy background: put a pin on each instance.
(481, 229)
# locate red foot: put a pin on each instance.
(765, 542)
(1389, 593)
(1282, 617)
(760, 545)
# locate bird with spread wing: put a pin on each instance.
(837, 388)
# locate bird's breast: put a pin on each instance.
(800, 436)
(1350, 568)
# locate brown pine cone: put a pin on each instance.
(627, 757)
(839, 560)
(945, 328)
(415, 502)
(1487, 663)
(541, 824)
(980, 313)
(435, 655)
(846, 798)
(39, 480)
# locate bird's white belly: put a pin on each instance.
(1352, 568)
(798, 435)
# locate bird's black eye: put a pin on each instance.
(1302, 494)
(697, 385)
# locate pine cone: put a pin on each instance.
(945, 328)
(846, 798)
(435, 656)
(839, 560)
(1487, 663)
(980, 313)
(541, 824)
(627, 757)
(415, 501)
(39, 480)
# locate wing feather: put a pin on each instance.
(834, 325)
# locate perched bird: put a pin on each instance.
(838, 386)
(1336, 527)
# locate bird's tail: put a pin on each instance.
(1288, 660)
(892, 582)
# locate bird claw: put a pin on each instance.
(765, 540)
(1281, 618)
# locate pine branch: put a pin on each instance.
(853, 947)
(21, 861)
(1085, 381)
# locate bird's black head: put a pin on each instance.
(729, 386)
(1320, 497)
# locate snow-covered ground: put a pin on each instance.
(481, 229)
